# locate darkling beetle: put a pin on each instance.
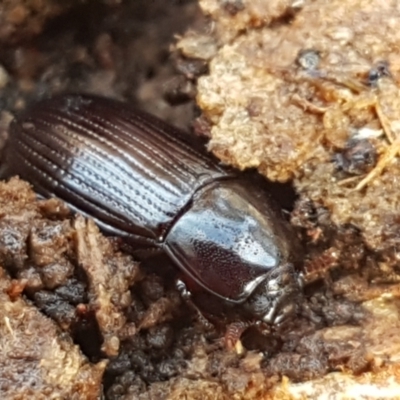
(141, 181)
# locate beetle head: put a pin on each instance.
(276, 297)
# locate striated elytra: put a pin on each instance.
(141, 181)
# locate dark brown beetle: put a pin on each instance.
(140, 180)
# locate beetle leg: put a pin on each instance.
(187, 297)
(233, 334)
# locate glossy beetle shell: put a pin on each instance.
(140, 180)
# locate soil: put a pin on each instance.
(309, 104)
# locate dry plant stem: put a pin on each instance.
(384, 120)
(389, 154)
(308, 105)
(346, 181)
(383, 162)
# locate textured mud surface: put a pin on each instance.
(315, 103)
(37, 358)
(112, 48)
(21, 19)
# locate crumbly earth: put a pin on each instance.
(310, 93)
(36, 360)
(118, 49)
(22, 19)
(302, 90)
(47, 254)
